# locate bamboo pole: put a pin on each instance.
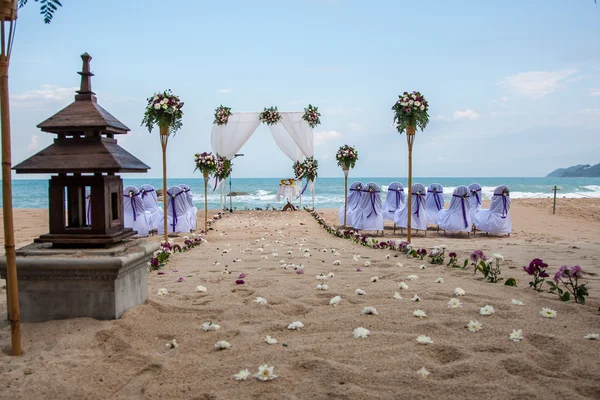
(410, 137)
(7, 206)
(164, 138)
(345, 195)
(205, 203)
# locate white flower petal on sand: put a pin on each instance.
(423, 372)
(242, 375)
(516, 302)
(335, 301)
(172, 344)
(265, 373)
(399, 265)
(374, 279)
(360, 292)
(209, 326)
(369, 311)
(419, 314)
(487, 310)
(498, 257)
(387, 256)
(459, 292)
(402, 286)
(356, 257)
(515, 335)
(474, 326)
(415, 298)
(162, 291)
(222, 345)
(454, 303)
(397, 296)
(443, 247)
(336, 262)
(322, 286)
(412, 277)
(260, 300)
(296, 325)
(322, 277)
(439, 280)
(422, 266)
(201, 289)
(361, 333)
(548, 313)
(422, 339)
(336, 254)
(367, 263)
(270, 340)
(306, 254)
(592, 336)
(330, 275)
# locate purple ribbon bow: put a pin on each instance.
(131, 195)
(464, 211)
(174, 210)
(216, 183)
(504, 205)
(477, 195)
(438, 204)
(398, 197)
(144, 191)
(419, 199)
(373, 198)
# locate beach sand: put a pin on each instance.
(128, 358)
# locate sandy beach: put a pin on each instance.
(128, 358)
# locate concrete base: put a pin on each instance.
(72, 283)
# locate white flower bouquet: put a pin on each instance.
(411, 111)
(311, 115)
(270, 116)
(164, 110)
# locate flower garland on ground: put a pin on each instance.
(346, 156)
(270, 116)
(310, 166)
(222, 114)
(163, 109)
(299, 169)
(411, 109)
(206, 163)
(311, 115)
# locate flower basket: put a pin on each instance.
(8, 10)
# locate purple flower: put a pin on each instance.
(160, 273)
(180, 279)
(452, 254)
(242, 276)
(358, 269)
(175, 270)
(239, 282)
(576, 271)
(476, 256)
(300, 271)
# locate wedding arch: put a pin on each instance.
(292, 132)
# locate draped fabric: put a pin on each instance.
(419, 216)
(457, 218)
(285, 142)
(300, 131)
(88, 208)
(227, 140)
(148, 195)
(135, 215)
(370, 216)
(354, 196)
(496, 219)
(393, 200)
(178, 210)
(193, 209)
(475, 199)
(434, 202)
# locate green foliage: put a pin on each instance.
(511, 282)
(578, 291)
(490, 270)
(411, 110)
(47, 8)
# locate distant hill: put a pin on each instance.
(577, 171)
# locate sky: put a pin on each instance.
(513, 86)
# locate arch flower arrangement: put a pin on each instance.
(270, 116)
(311, 115)
(222, 114)
(299, 170)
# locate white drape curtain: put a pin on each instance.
(300, 131)
(285, 142)
(226, 140)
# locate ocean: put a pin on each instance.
(329, 192)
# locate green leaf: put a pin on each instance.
(565, 296)
(512, 282)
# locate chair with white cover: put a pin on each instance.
(354, 195)
(434, 202)
(419, 215)
(475, 199)
(135, 215)
(370, 217)
(148, 195)
(178, 210)
(496, 219)
(394, 200)
(457, 217)
(194, 209)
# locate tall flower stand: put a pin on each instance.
(313, 193)
(164, 138)
(410, 138)
(205, 203)
(346, 170)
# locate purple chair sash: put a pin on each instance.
(133, 205)
(303, 189)
(436, 198)
(373, 198)
(216, 183)
(464, 211)
(419, 200)
(504, 205)
(144, 191)
(398, 197)
(174, 210)
(477, 196)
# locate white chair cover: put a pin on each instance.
(370, 217)
(135, 215)
(434, 202)
(178, 210)
(419, 216)
(394, 200)
(496, 219)
(457, 217)
(475, 199)
(354, 195)
(148, 195)
(193, 209)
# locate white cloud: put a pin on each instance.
(537, 84)
(322, 137)
(594, 92)
(34, 143)
(354, 126)
(46, 93)
(227, 91)
(467, 114)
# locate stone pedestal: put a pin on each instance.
(72, 283)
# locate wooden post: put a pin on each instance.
(410, 138)
(7, 207)
(206, 203)
(164, 138)
(346, 170)
(554, 189)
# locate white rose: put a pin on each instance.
(411, 102)
(417, 103)
(405, 99)
(157, 106)
(155, 98)
(403, 104)
(414, 96)
(422, 108)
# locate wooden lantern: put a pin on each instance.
(8, 10)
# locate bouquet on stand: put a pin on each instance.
(310, 166)
(207, 164)
(346, 157)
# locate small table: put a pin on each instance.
(288, 192)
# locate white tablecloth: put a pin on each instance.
(288, 192)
